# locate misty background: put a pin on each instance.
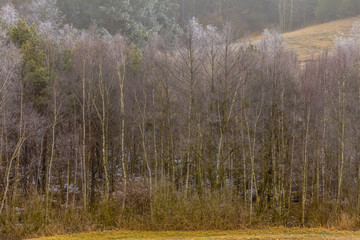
(140, 19)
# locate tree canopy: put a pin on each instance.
(136, 19)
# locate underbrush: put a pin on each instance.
(163, 210)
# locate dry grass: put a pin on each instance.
(274, 233)
(312, 40)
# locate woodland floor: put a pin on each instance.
(269, 234)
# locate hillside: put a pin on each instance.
(312, 40)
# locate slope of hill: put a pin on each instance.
(312, 40)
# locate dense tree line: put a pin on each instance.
(255, 15)
(245, 15)
(196, 132)
(140, 19)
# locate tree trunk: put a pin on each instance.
(121, 76)
(341, 143)
(83, 157)
(51, 160)
(305, 168)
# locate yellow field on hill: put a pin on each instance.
(312, 40)
(269, 234)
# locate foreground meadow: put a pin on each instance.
(278, 233)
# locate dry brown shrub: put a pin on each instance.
(345, 221)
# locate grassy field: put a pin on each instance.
(269, 234)
(312, 40)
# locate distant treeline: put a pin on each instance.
(244, 15)
(255, 15)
